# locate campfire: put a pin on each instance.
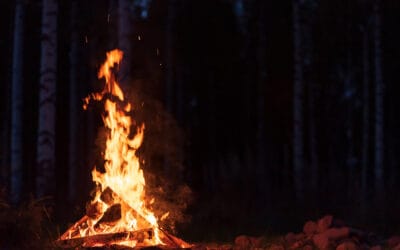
(118, 215)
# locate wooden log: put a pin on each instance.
(140, 236)
(74, 228)
(110, 197)
(173, 241)
(111, 216)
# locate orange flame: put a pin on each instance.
(123, 174)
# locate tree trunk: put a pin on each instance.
(366, 124)
(74, 106)
(298, 119)
(379, 103)
(124, 40)
(262, 81)
(17, 104)
(170, 72)
(312, 141)
(309, 81)
(45, 181)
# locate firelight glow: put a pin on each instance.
(123, 174)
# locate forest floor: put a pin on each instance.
(327, 233)
(28, 227)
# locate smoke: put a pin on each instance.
(162, 153)
(162, 157)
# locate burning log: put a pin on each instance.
(94, 210)
(109, 197)
(111, 216)
(73, 231)
(117, 216)
(139, 236)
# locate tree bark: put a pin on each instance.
(17, 104)
(262, 81)
(309, 81)
(45, 175)
(350, 158)
(379, 103)
(170, 71)
(298, 96)
(366, 124)
(312, 135)
(74, 106)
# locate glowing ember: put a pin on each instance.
(117, 214)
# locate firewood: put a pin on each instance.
(310, 227)
(109, 196)
(94, 210)
(324, 223)
(74, 228)
(107, 239)
(111, 215)
(173, 241)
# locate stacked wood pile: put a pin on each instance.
(327, 233)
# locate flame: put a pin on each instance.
(123, 174)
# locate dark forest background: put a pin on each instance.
(270, 112)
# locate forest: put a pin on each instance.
(259, 115)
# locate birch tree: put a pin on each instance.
(45, 175)
(17, 103)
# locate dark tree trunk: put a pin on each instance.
(379, 103)
(17, 104)
(74, 105)
(124, 40)
(310, 86)
(170, 60)
(350, 99)
(45, 175)
(298, 96)
(312, 138)
(261, 87)
(366, 123)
